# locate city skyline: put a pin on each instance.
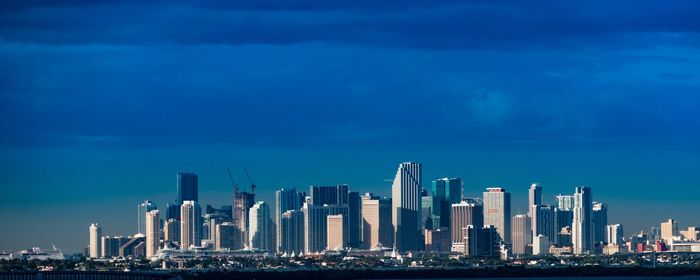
(100, 112)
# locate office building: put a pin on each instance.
(614, 234)
(330, 195)
(600, 222)
(292, 232)
(406, 207)
(315, 225)
(286, 199)
(260, 227)
(669, 229)
(95, 239)
(227, 237)
(497, 211)
(564, 218)
(465, 213)
(377, 229)
(582, 231)
(565, 202)
(445, 192)
(152, 233)
(110, 245)
(187, 187)
(438, 240)
(335, 233)
(427, 219)
(191, 224)
(534, 196)
(171, 231)
(540, 245)
(143, 208)
(521, 235)
(354, 220)
(242, 202)
(543, 222)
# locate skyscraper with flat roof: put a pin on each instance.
(377, 230)
(464, 214)
(521, 235)
(285, 199)
(260, 227)
(335, 234)
(292, 225)
(191, 224)
(534, 196)
(445, 192)
(497, 211)
(152, 233)
(543, 221)
(614, 234)
(582, 231)
(406, 207)
(669, 229)
(95, 240)
(354, 220)
(187, 187)
(227, 237)
(600, 221)
(143, 208)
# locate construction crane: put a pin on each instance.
(252, 185)
(235, 186)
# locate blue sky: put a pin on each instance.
(102, 103)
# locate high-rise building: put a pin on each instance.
(354, 220)
(465, 213)
(315, 225)
(377, 229)
(172, 211)
(111, 244)
(132, 248)
(543, 221)
(187, 187)
(564, 218)
(171, 231)
(445, 192)
(521, 235)
(335, 234)
(143, 208)
(191, 224)
(669, 229)
(438, 240)
(406, 207)
(227, 237)
(95, 239)
(582, 231)
(152, 233)
(614, 234)
(292, 232)
(600, 222)
(427, 204)
(534, 196)
(565, 202)
(330, 195)
(540, 245)
(211, 220)
(242, 202)
(285, 200)
(260, 227)
(497, 211)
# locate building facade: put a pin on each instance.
(497, 211)
(406, 207)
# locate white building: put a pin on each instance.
(540, 245)
(152, 233)
(614, 234)
(260, 228)
(582, 231)
(406, 207)
(190, 224)
(497, 211)
(95, 240)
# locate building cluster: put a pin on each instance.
(332, 219)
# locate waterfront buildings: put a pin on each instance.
(260, 232)
(171, 230)
(445, 192)
(242, 202)
(497, 211)
(521, 235)
(316, 225)
(669, 229)
(377, 227)
(466, 213)
(285, 200)
(187, 187)
(292, 232)
(599, 221)
(406, 207)
(190, 225)
(143, 208)
(534, 196)
(543, 221)
(335, 232)
(227, 237)
(614, 234)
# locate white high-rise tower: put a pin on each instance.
(190, 225)
(260, 234)
(582, 230)
(152, 233)
(406, 206)
(95, 240)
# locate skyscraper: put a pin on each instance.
(614, 234)
(292, 232)
(497, 211)
(260, 227)
(152, 233)
(191, 225)
(285, 200)
(242, 202)
(600, 222)
(95, 240)
(565, 202)
(171, 230)
(330, 195)
(669, 229)
(445, 192)
(187, 187)
(377, 229)
(582, 231)
(227, 237)
(335, 233)
(406, 207)
(521, 235)
(144, 208)
(354, 220)
(535, 196)
(465, 213)
(315, 225)
(543, 222)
